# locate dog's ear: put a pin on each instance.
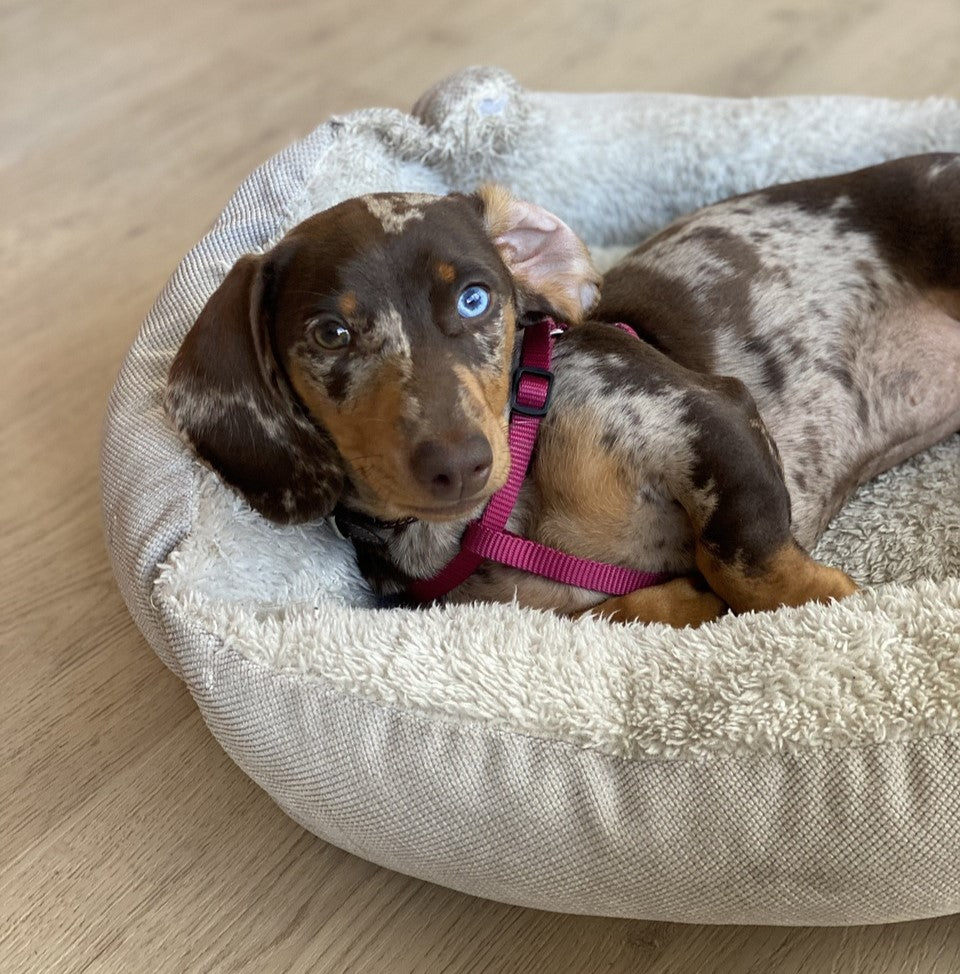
(550, 263)
(229, 396)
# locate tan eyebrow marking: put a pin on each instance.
(347, 303)
(446, 272)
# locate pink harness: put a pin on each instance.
(486, 537)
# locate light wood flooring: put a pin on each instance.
(128, 841)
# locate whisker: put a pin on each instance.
(371, 456)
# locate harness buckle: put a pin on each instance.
(525, 409)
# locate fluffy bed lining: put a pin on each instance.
(880, 667)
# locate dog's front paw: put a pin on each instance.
(829, 583)
(788, 577)
(679, 603)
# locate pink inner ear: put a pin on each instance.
(544, 253)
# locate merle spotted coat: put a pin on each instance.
(796, 341)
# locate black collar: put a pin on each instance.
(365, 528)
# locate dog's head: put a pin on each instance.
(372, 347)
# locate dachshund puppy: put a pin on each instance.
(794, 342)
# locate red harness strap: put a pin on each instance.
(486, 538)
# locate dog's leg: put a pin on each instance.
(787, 576)
(677, 603)
(739, 506)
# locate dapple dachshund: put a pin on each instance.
(794, 342)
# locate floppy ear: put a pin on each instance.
(229, 397)
(550, 263)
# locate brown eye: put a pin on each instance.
(331, 334)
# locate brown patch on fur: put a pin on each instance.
(347, 304)
(483, 398)
(446, 272)
(677, 603)
(662, 310)
(586, 496)
(497, 207)
(367, 435)
(789, 577)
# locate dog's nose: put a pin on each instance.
(451, 471)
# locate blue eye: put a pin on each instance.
(473, 301)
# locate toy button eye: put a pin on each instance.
(473, 301)
(331, 334)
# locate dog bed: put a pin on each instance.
(798, 767)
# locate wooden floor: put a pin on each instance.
(128, 841)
